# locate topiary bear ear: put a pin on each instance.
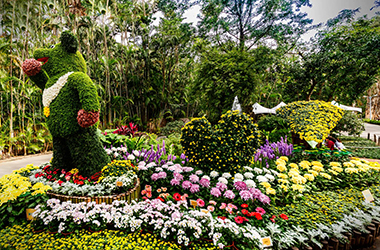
(69, 42)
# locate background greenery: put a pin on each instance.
(151, 71)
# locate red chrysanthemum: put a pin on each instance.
(283, 216)
(177, 196)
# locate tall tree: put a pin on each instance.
(250, 22)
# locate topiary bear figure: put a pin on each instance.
(71, 105)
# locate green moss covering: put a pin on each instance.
(73, 146)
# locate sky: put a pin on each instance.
(320, 12)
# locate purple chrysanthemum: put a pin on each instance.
(162, 175)
(240, 185)
(255, 193)
(216, 192)
(205, 182)
(178, 176)
(264, 199)
(221, 186)
(194, 178)
(186, 184)
(245, 195)
(194, 188)
(175, 182)
(229, 194)
(155, 177)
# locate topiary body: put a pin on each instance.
(72, 111)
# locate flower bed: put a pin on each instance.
(294, 203)
(129, 196)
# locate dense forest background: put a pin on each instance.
(148, 70)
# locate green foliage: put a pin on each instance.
(350, 123)
(228, 146)
(172, 127)
(273, 128)
(235, 73)
(249, 23)
(371, 121)
(324, 155)
(69, 42)
(340, 66)
(361, 147)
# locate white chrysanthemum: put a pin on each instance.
(250, 183)
(261, 178)
(206, 177)
(131, 157)
(214, 174)
(258, 170)
(269, 177)
(248, 175)
(223, 180)
(248, 168)
(239, 176)
(226, 175)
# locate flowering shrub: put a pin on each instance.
(17, 194)
(228, 146)
(311, 120)
(130, 129)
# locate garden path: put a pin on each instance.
(14, 163)
(371, 129)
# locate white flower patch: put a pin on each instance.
(52, 92)
(250, 183)
(258, 170)
(214, 174)
(261, 178)
(248, 175)
(239, 176)
(223, 180)
(226, 175)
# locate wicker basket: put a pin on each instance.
(132, 194)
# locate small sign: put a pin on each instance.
(368, 196)
(29, 213)
(205, 211)
(266, 242)
(194, 203)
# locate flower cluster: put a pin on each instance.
(217, 148)
(269, 152)
(173, 221)
(14, 185)
(311, 120)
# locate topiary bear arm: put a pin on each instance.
(40, 80)
(88, 95)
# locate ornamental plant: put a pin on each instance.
(229, 145)
(311, 120)
(17, 194)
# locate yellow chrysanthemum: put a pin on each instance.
(309, 177)
(270, 191)
(327, 176)
(265, 184)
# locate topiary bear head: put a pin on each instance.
(62, 57)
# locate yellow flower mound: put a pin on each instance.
(13, 185)
(22, 237)
(311, 120)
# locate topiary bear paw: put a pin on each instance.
(87, 118)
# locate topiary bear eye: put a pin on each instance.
(51, 46)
